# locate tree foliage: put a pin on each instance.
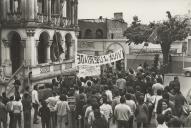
(166, 33)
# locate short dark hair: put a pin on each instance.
(128, 96)
(122, 100)
(63, 97)
(159, 92)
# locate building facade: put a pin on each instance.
(102, 36)
(38, 37)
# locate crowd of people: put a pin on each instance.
(125, 99)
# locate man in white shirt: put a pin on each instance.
(35, 102)
(157, 86)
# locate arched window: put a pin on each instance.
(42, 48)
(56, 48)
(99, 34)
(88, 34)
(15, 6)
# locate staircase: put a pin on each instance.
(20, 73)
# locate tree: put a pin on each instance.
(164, 33)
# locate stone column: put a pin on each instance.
(76, 13)
(23, 9)
(48, 52)
(30, 47)
(7, 52)
(35, 9)
(49, 10)
(36, 52)
(72, 11)
(30, 9)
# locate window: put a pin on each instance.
(88, 34)
(99, 34)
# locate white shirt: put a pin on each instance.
(107, 110)
(35, 97)
(109, 95)
(17, 107)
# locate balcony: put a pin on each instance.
(55, 20)
(14, 17)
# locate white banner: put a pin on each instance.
(89, 71)
(83, 59)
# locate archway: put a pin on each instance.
(88, 34)
(68, 44)
(42, 48)
(56, 48)
(118, 65)
(16, 51)
(99, 34)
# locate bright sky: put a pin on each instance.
(146, 10)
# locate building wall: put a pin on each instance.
(116, 28)
(93, 25)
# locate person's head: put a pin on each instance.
(131, 71)
(128, 96)
(141, 99)
(122, 100)
(160, 119)
(27, 88)
(54, 94)
(43, 103)
(11, 98)
(63, 97)
(89, 84)
(176, 78)
(17, 98)
(159, 80)
(53, 81)
(4, 94)
(95, 106)
(119, 75)
(165, 96)
(175, 123)
(164, 105)
(35, 87)
(159, 92)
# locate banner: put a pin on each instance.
(83, 59)
(89, 71)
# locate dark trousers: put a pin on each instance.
(17, 120)
(53, 119)
(27, 118)
(122, 124)
(3, 121)
(11, 122)
(131, 121)
(140, 123)
(35, 106)
(45, 123)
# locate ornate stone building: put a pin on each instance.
(38, 38)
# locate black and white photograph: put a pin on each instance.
(95, 63)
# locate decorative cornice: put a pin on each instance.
(30, 31)
(6, 43)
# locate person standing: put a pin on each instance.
(122, 113)
(9, 107)
(27, 106)
(44, 113)
(17, 84)
(35, 103)
(3, 114)
(51, 104)
(121, 83)
(17, 109)
(62, 109)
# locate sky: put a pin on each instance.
(146, 10)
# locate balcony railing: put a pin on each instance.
(14, 17)
(56, 20)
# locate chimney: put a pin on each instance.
(118, 16)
